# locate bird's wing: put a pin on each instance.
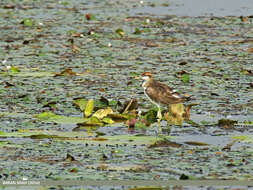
(161, 93)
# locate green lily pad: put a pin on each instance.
(80, 103)
(92, 121)
(51, 117)
(244, 138)
(120, 32)
(89, 108)
(83, 138)
(185, 78)
(28, 22)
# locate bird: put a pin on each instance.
(160, 94)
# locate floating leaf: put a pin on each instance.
(129, 106)
(104, 100)
(118, 117)
(227, 123)
(108, 120)
(120, 32)
(150, 116)
(185, 78)
(92, 122)
(89, 108)
(176, 114)
(101, 113)
(130, 168)
(80, 103)
(51, 117)
(14, 69)
(165, 143)
(137, 31)
(28, 22)
(140, 124)
(245, 138)
(66, 72)
(113, 103)
(187, 113)
(195, 143)
(43, 136)
(70, 158)
(46, 115)
(147, 188)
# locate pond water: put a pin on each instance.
(196, 8)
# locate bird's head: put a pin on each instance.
(146, 76)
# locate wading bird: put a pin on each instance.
(159, 93)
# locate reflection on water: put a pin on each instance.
(198, 8)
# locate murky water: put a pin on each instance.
(196, 8)
(215, 52)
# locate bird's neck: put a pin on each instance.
(146, 83)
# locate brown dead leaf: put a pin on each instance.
(250, 50)
(66, 72)
(226, 123)
(229, 145)
(163, 143)
(151, 44)
(129, 106)
(195, 143)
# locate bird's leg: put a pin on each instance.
(159, 116)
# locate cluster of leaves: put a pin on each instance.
(101, 112)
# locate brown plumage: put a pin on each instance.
(159, 93)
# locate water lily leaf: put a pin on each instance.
(146, 188)
(51, 117)
(2, 133)
(80, 103)
(195, 143)
(244, 138)
(140, 124)
(92, 121)
(14, 69)
(28, 22)
(101, 113)
(46, 115)
(43, 136)
(185, 78)
(227, 123)
(120, 32)
(89, 108)
(82, 137)
(3, 143)
(131, 105)
(118, 117)
(137, 31)
(130, 168)
(176, 114)
(165, 143)
(150, 116)
(66, 72)
(108, 120)
(187, 113)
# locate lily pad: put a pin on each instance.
(244, 138)
(80, 103)
(51, 117)
(101, 113)
(89, 108)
